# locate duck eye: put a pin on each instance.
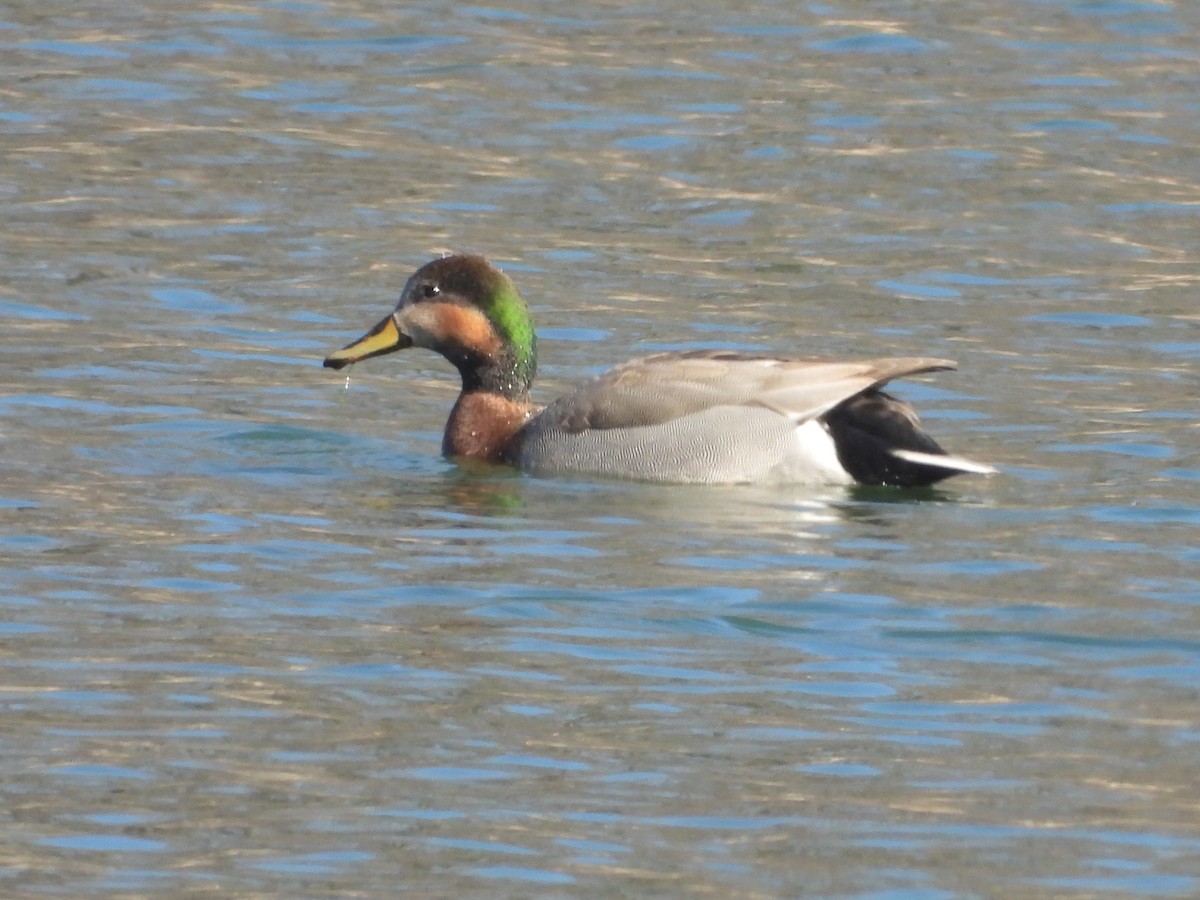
(430, 290)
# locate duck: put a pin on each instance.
(687, 417)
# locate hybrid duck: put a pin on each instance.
(700, 416)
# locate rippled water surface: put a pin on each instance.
(258, 639)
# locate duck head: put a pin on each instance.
(470, 312)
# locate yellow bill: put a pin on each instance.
(385, 337)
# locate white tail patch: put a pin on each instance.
(958, 463)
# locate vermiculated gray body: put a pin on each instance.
(716, 417)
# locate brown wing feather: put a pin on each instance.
(659, 388)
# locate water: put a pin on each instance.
(258, 639)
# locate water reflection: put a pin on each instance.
(257, 633)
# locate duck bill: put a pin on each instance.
(386, 337)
